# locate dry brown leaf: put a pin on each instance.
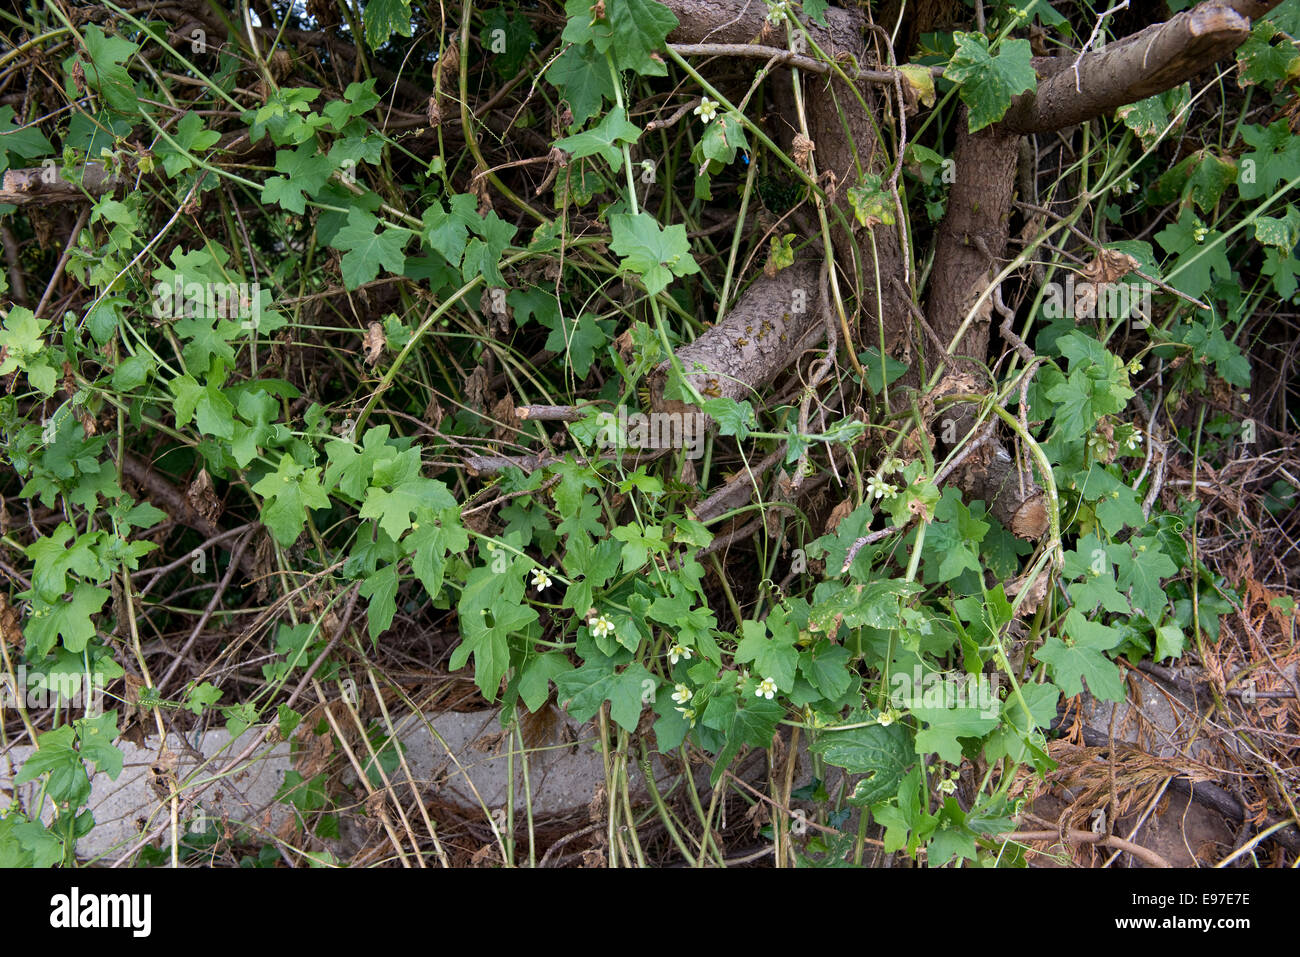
(837, 515)
(476, 388)
(375, 342)
(485, 856)
(1035, 592)
(1108, 266)
(433, 413)
(802, 150)
(504, 422)
(202, 498)
(624, 344)
(449, 64)
(11, 632)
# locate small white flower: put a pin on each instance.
(707, 109)
(878, 488)
(766, 689)
(887, 717)
(1134, 441)
(688, 714)
(541, 580)
(1199, 234)
(601, 626)
(948, 786)
(679, 653)
(681, 693)
(892, 464)
(1135, 368)
(778, 11)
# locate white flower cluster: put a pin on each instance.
(879, 488)
(778, 11)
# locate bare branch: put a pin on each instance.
(1148, 62)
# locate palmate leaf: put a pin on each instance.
(383, 18)
(578, 339)
(369, 247)
(656, 254)
(633, 29)
(380, 592)
(1273, 159)
(305, 173)
(990, 82)
(752, 723)
(482, 255)
(289, 491)
(945, 725)
(585, 689)
(881, 753)
(428, 544)
(1079, 656)
(106, 72)
(1148, 118)
(536, 676)
(70, 620)
(24, 142)
(491, 609)
(875, 605)
(583, 79)
(603, 139)
(775, 657)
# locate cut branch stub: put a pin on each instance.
(766, 330)
(43, 184)
(1126, 71)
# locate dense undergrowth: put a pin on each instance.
(267, 469)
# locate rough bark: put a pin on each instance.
(742, 21)
(31, 186)
(770, 325)
(972, 239)
(1012, 495)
